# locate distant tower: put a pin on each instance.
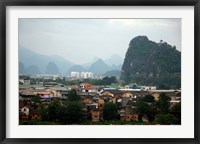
(161, 41)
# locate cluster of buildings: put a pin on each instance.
(93, 98)
(47, 76)
(83, 75)
(136, 87)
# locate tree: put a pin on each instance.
(163, 103)
(110, 111)
(72, 113)
(148, 98)
(165, 119)
(36, 99)
(145, 109)
(109, 80)
(176, 111)
(73, 96)
(44, 112)
(53, 110)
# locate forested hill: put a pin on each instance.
(150, 63)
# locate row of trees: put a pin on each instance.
(108, 80)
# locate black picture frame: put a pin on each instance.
(5, 3)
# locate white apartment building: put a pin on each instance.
(75, 74)
(83, 75)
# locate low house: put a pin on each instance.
(87, 89)
(50, 84)
(25, 111)
(38, 87)
(42, 93)
(139, 93)
(106, 98)
(133, 86)
(25, 80)
(87, 93)
(27, 95)
(127, 94)
(87, 101)
(100, 104)
(35, 115)
(145, 118)
(174, 102)
(23, 117)
(135, 117)
(95, 114)
(132, 117)
(127, 114)
(155, 95)
(85, 85)
(114, 94)
(59, 91)
(21, 104)
(125, 101)
(25, 88)
(122, 114)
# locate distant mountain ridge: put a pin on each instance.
(22, 69)
(76, 68)
(114, 60)
(28, 60)
(33, 70)
(52, 68)
(99, 67)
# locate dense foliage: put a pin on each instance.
(176, 111)
(69, 113)
(73, 96)
(163, 103)
(165, 119)
(110, 111)
(146, 106)
(150, 63)
(108, 80)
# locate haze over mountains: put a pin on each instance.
(29, 58)
(33, 63)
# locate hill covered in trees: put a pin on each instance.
(150, 63)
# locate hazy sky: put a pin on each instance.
(80, 40)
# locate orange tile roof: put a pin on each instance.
(44, 93)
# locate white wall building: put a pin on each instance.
(75, 74)
(25, 110)
(83, 75)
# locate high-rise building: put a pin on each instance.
(75, 74)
